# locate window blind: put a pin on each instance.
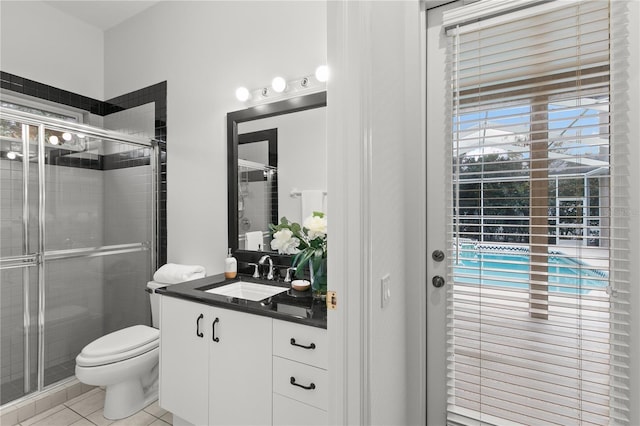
(537, 318)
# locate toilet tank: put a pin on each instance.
(154, 299)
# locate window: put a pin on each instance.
(11, 131)
(537, 314)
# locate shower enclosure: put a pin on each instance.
(77, 243)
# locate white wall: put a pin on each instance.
(205, 50)
(389, 142)
(374, 127)
(41, 43)
(634, 129)
(415, 215)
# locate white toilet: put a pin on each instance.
(126, 363)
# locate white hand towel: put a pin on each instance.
(253, 241)
(173, 273)
(312, 201)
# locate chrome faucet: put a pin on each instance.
(262, 261)
(288, 277)
(256, 274)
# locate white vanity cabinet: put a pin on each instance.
(215, 364)
(184, 357)
(239, 369)
(300, 358)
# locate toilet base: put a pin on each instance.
(126, 398)
(130, 384)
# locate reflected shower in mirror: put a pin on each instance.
(275, 152)
(257, 187)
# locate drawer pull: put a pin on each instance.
(310, 387)
(311, 346)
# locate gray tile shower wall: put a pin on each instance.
(127, 195)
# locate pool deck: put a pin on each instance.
(593, 256)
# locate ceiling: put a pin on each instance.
(105, 14)
(101, 14)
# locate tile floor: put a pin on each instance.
(86, 410)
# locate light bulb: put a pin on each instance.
(12, 155)
(66, 136)
(322, 73)
(53, 140)
(81, 135)
(278, 84)
(242, 94)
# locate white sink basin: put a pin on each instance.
(248, 291)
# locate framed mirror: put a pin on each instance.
(274, 152)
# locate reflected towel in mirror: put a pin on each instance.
(253, 241)
(312, 201)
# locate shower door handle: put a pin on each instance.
(198, 332)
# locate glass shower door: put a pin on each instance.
(19, 271)
(77, 243)
(97, 247)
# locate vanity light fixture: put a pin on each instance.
(278, 84)
(14, 155)
(282, 89)
(242, 94)
(322, 73)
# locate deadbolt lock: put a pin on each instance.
(437, 255)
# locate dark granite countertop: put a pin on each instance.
(291, 305)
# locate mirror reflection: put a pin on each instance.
(278, 155)
(257, 187)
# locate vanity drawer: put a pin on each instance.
(300, 343)
(286, 371)
(289, 412)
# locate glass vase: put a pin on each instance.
(318, 276)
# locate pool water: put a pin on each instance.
(566, 275)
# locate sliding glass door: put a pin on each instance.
(77, 243)
(19, 259)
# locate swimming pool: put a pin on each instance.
(565, 274)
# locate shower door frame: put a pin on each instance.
(39, 258)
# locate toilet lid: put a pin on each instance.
(119, 345)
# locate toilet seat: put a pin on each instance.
(119, 345)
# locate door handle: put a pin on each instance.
(213, 331)
(198, 332)
(437, 281)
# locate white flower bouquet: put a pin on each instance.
(309, 245)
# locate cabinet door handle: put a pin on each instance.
(213, 327)
(293, 343)
(198, 332)
(310, 387)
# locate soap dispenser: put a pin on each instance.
(230, 266)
